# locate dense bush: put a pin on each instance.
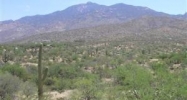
(9, 85)
(132, 76)
(16, 70)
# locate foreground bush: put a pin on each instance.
(9, 85)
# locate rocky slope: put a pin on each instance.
(144, 28)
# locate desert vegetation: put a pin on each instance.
(93, 52)
(102, 70)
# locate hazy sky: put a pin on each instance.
(15, 9)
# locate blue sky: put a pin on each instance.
(15, 9)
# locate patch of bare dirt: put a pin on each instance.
(29, 64)
(56, 95)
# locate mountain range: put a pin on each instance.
(88, 16)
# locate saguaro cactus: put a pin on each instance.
(5, 57)
(96, 50)
(41, 74)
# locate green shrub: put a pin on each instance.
(159, 66)
(65, 71)
(28, 90)
(16, 70)
(88, 89)
(63, 84)
(9, 85)
(133, 78)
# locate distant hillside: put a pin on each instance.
(74, 17)
(144, 28)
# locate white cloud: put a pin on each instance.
(27, 8)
